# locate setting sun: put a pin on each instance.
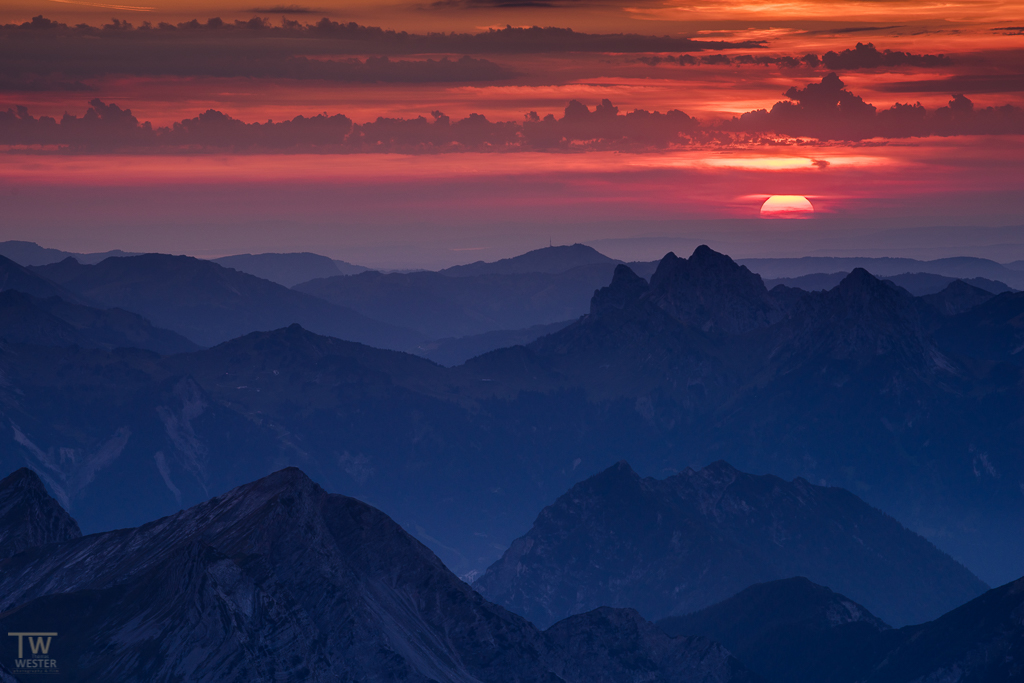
(787, 206)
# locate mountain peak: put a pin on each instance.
(29, 517)
(625, 289)
(711, 292)
(707, 535)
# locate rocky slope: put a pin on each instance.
(279, 580)
(676, 545)
(29, 517)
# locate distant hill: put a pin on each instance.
(547, 260)
(962, 267)
(210, 304)
(918, 284)
(31, 254)
(54, 322)
(288, 269)
(457, 350)
(708, 534)
(789, 631)
(279, 579)
(442, 307)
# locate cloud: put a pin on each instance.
(827, 111)
(283, 9)
(42, 52)
(108, 128)
(980, 83)
(822, 111)
(861, 57)
(868, 57)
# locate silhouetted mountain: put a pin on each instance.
(24, 319)
(961, 267)
(711, 292)
(442, 307)
(456, 351)
(979, 642)
(209, 303)
(918, 284)
(288, 269)
(18, 278)
(708, 534)
(31, 254)
(789, 631)
(280, 580)
(958, 297)
(29, 517)
(547, 260)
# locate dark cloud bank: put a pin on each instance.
(861, 57)
(256, 48)
(822, 111)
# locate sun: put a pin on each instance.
(787, 206)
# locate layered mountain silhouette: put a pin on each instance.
(442, 306)
(918, 284)
(864, 387)
(31, 254)
(210, 304)
(547, 260)
(288, 269)
(960, 267)
(54, 322)
(279, 580)
(14, 277)
(795, 631)
(29, 517)
(676, 545)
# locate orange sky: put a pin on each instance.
(470, 199)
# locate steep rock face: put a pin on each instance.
(29, 517)
(789, 631)
(957, 297)
(711, 292)
(279, 580)
(676, 545)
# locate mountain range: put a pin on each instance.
(208, 303)
(911, 403)
(278, 580)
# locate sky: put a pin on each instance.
(424, 134)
